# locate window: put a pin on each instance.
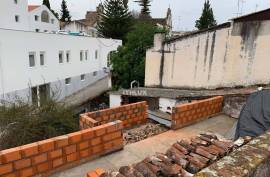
(86, 55)
(95, 73)
(68, 81)
(37, 30)
(96, 54)
(42, 58)
(52, 21)
(32, 60)
(45, 16)
(17, 18)
(81, 55)
(16, 1)
(61, 57)
(68, 56)
(82, 77)
(36, 17)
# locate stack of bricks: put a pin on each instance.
(130, 115)
(190, 113)
(59, 153)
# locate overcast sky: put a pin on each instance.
(185, 12)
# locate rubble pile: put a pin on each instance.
(143, 132)
(182, 159)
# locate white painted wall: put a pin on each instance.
(115, 100)
(42, 26)
(225, 57)
(78, 27)
(8, 10)
(165, 103)
(14, 57)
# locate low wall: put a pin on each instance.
(59, 153)
(130, 115)
(190, 113)
(251, 160)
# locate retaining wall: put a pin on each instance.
(130, 115)
(59, 153)
(190, 113)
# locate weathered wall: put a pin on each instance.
(221, 57)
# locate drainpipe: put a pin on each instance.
(159, 47)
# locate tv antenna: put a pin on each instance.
(240, 6)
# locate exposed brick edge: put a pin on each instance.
(96, 173)
(130, 115)
(190, 113)
(63, 152)
(250, 160)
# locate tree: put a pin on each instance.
(65, 15)
(145, 10)
(128, 62)
(207, 18)
(115, 19)
(47, 3)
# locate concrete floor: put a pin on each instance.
(138, 151)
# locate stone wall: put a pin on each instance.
(190, 113)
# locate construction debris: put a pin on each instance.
(182, 159)
(143, 132)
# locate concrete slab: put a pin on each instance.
(133, 153)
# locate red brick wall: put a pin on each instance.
(51, 155)
(131, 114)
(190, 113)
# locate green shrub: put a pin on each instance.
(22, 123)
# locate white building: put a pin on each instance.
(17, 15)
(34, 65)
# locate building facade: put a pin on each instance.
(18, 15)
(234, 54)
(34, 66)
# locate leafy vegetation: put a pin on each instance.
(145, 10)
(65, 15)
(23, 123)
(115, 19)
(207, 18)
(128, 62)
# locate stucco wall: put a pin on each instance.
(222, 57)
(14, 60)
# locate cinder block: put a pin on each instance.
(39, 158)
(97, 149)
(20, 164)
(58, 162)
(92, 174)
(46, 145)
(83, 145)
(27, 172)
(95, 141)
(61, 141)
(99, 131)
(44, 167)
(70, 149)
(7, 168)
(85, 153)
(87, 134)
(72, 157)
(74, 137)
(55, 154)
(29, 150)
(10, 155)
